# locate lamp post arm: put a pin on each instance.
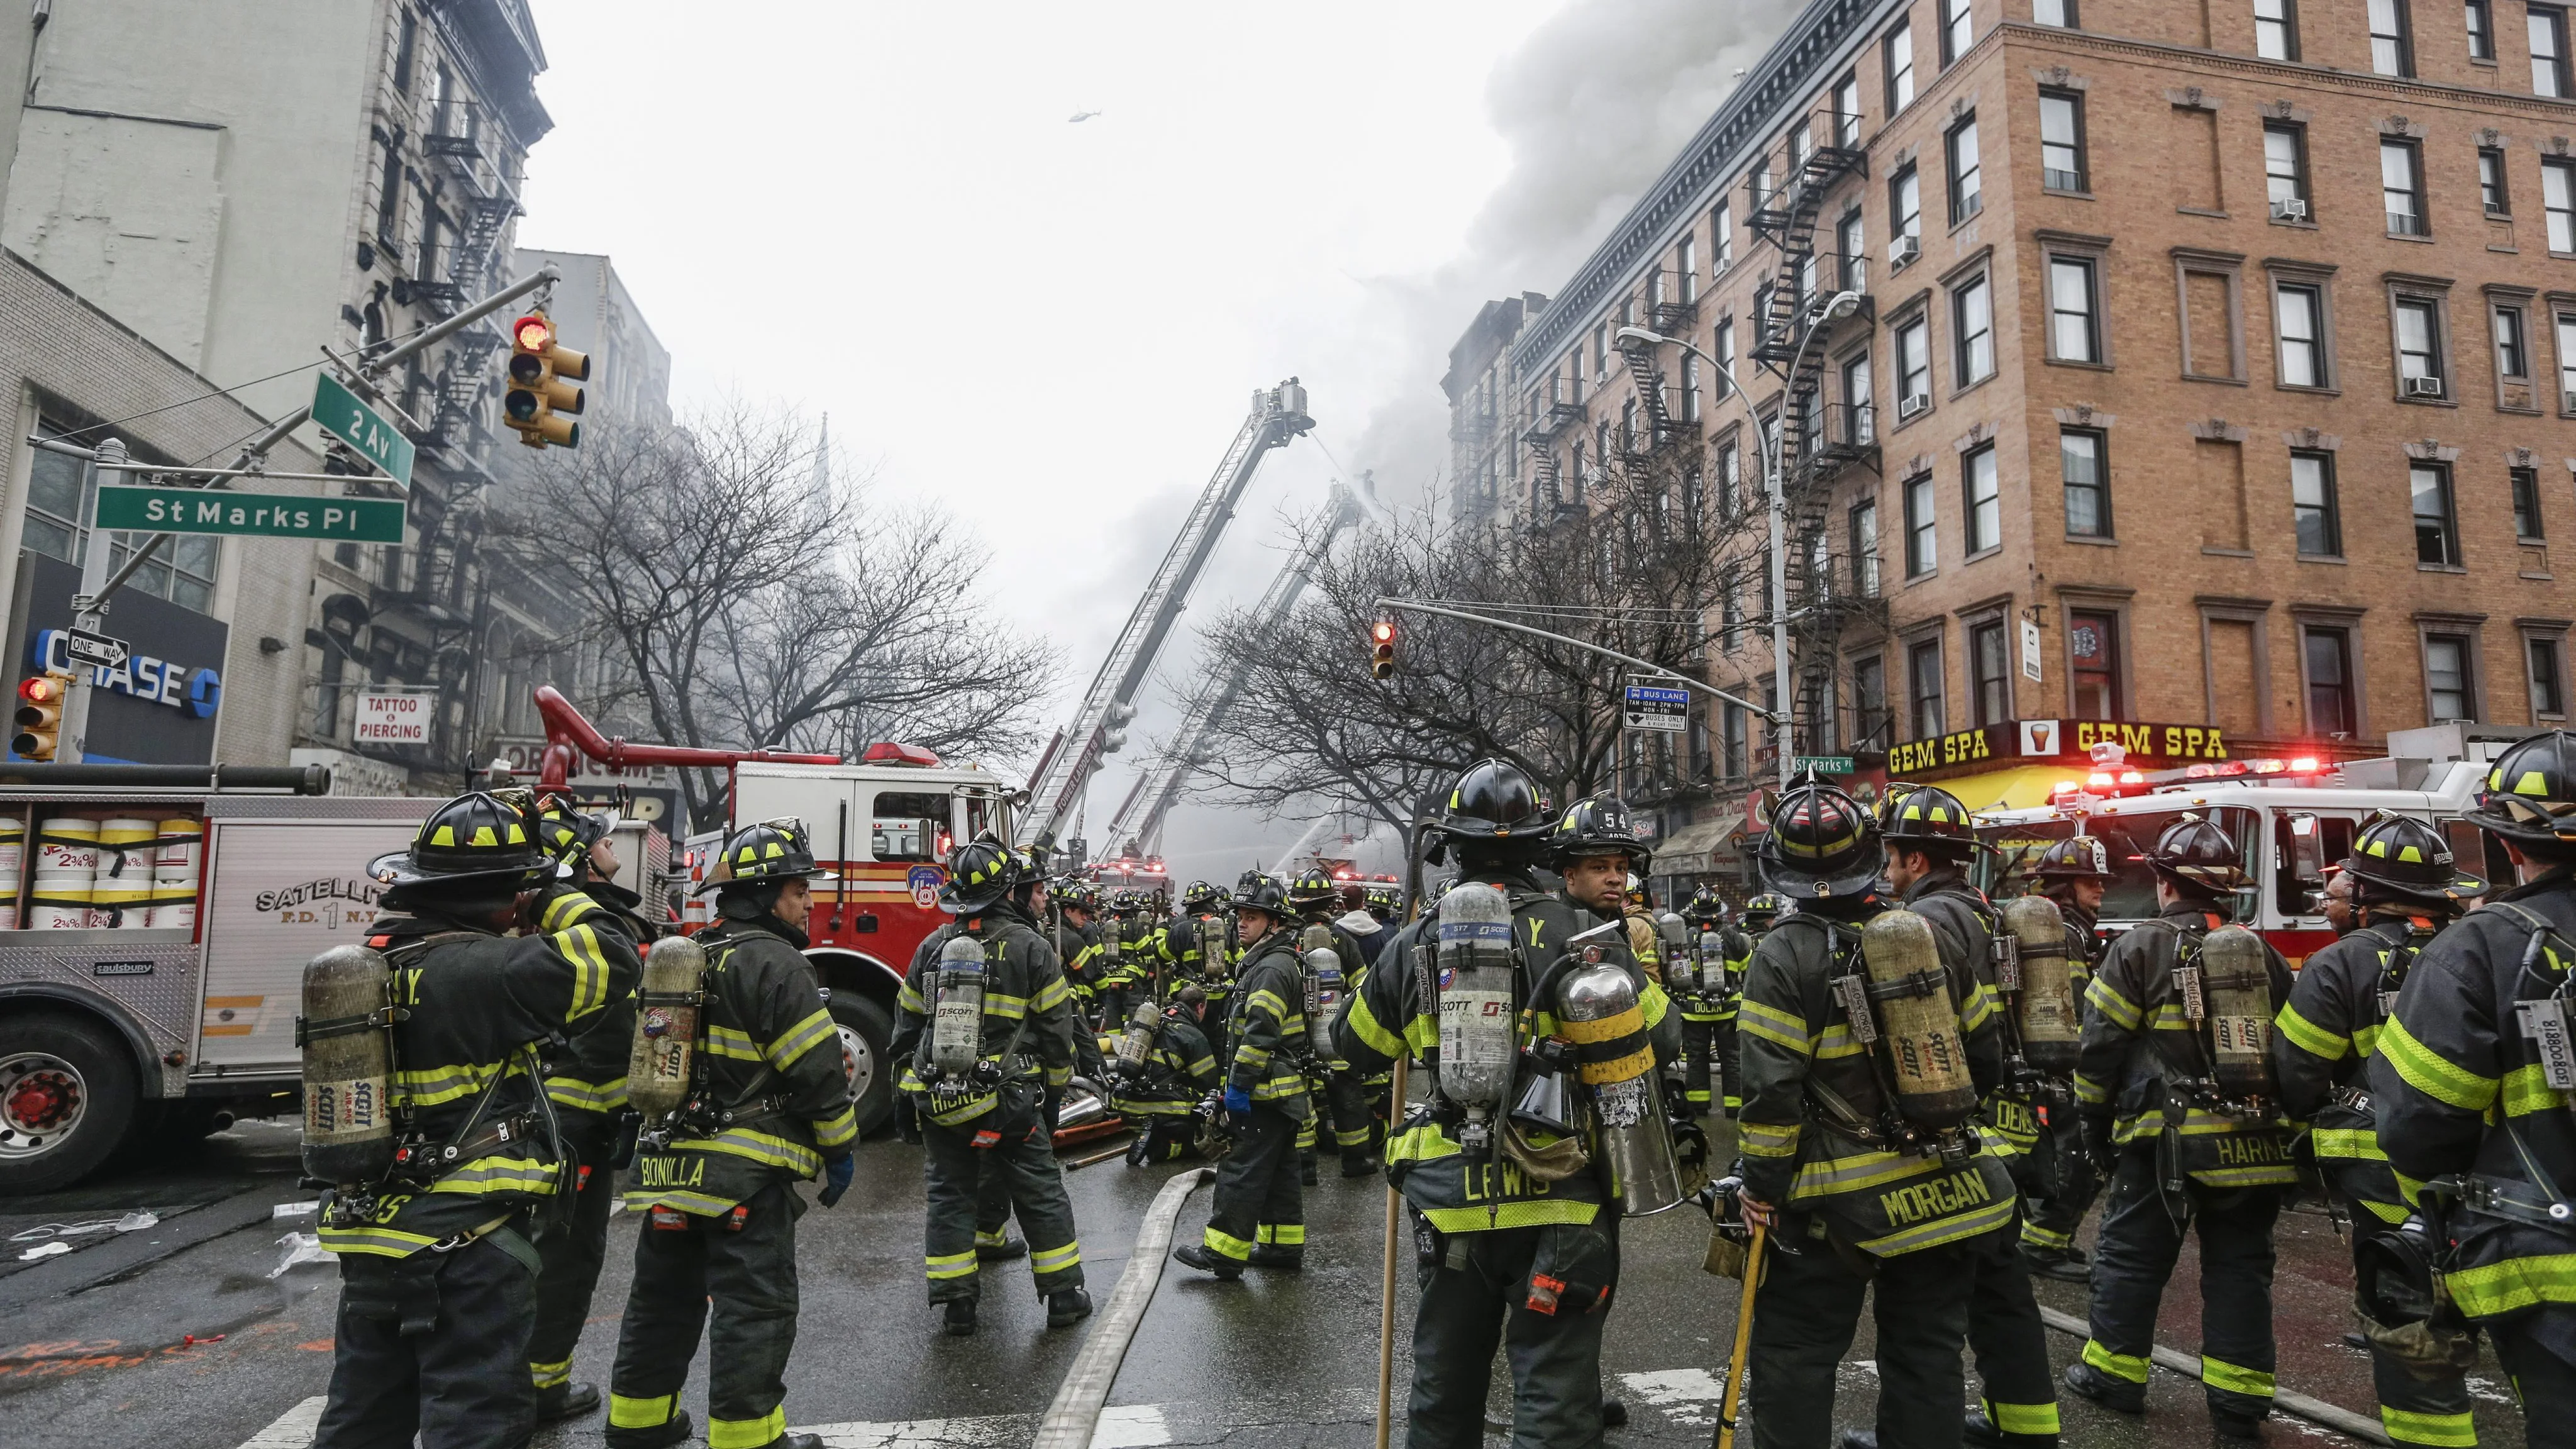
(1415, 607)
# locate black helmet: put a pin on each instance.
(980, 873)
(1706, 905)
(1202, 896)
(1382, 901)
(1073, 893)
(1257, 891)
(1764, 909)
(2530, 794)
(1496, 802)
(2402, 856)
(765, 854)
(1598, 825)
(477, 839)
(1821, 845)
(2193, 851)
(567, 835)
(1313, 889)
(2079, 857)
(1926, 818)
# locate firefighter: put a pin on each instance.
(2473, 1087)
(1162, 1095)
(586, 1081)
(1755, 922)
(438, 1281)
(980, 1094)
(2180, 1144)
(1316, 903)
(1124, 938)
(1259, 1215)
(1203, 946)
(1929, 841)
(1503, 1256)
(769, 1107)
(1863, 1190)
(1707, 1001)
(2073, 873)
(1075, 940)
(2405, 889)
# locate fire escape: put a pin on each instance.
(1672, 305)
(468, 156)
(1552, 423)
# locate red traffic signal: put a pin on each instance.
(1382, 649)
(40, 716)
(540, 402)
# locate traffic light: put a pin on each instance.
(1382, 649)
(40, 715)
(541, 401)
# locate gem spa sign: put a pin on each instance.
(2148, 746)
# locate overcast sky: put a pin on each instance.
(884, 213)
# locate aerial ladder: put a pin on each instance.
(1099, 725)
(1156, 789)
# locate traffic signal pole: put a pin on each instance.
(1660, 672)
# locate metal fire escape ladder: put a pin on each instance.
(1278, 415)
(1133, 831)
(1787, 217)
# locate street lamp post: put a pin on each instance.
(1841, 305)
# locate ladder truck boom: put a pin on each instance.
(1278, 416)
(1158, 788)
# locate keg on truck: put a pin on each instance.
(1599, 1011)
(666, 1027)
(2043, 993)
(346, 1033)
(1910, 1006)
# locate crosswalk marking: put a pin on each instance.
(1133, 1426)
(292, 1429)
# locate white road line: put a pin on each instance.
(292, 1430)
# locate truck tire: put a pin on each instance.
(867, 1034)
(68, 1097)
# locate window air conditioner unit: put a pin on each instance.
(1912, 403)
(1904, 249)
(2567, 402)
(2293, 209)
(2423, 387)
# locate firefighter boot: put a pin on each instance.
(565, 1401)
(961, 1317)
(1271, 1255)
(2087, 1382)
(1196, 1255)
(1067, 1307)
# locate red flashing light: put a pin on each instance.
(2198, 772)
(533, 333)
(2231, 767)
(2266, 767)
(2100, 779)
(2132, 777)
(1383, 631)
(947, 842)
(887, 752)
(2304, 765)
(42, 689)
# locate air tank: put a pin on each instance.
(348, 1066)
(1918, 1020)
(2045, 998)
(1598, 1006)
(1477, 967)
(2236, 977)
(957, 1010)
(666, 1027)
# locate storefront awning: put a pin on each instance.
(2018, 788)
(1689, 848)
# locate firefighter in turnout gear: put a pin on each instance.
(1755, 921)
(1709, 977)
(1163, 1095)
(768, 1107)
(1126, 942)
(1259, 1215)
(1868, 1041)
(438, 1279)
(984, 1029)
(1203, 949)
(2073, 873)
(586, 1081)
(2174, 1088)
(2405, 890)
(1071, 933)
(1503, 1169)
(2475, 1094)
(1317, 904)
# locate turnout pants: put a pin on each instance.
(2141, 1238)
(2048, 1223)
(2414, 1411)
(1003, 1159)
(1699, 1056)
(433, 1345)
(1258, 1199)
(2011, 1343)
(1476, 1296)
(1803, 1324)
(1163, 1138)
(1346, 1097)
(569, 1254)
(742, 1264)
(2538, 1351)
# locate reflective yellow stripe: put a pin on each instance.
(1979, 1006)
(725, 1041)
(2513, 1285)
(2348, 1142)
(2309, 1037)
(2117, 1365)
(1267, 1000)
(584, 1096)
(2527, 1090)
(500, 1174)
(1829, 1175)
(626, 1413)
(1946, 1230)
(2032, 1419)
(377, 1242)
(1772, 1024)
(910, 1000)
(1764, 1139)
(801, 1038)
(1053, 994)
(949, 1265)
(1226, 1244)
(840, 1127)
(2441, 1431)
(1055, 1260)
(564, 909)
(1284, 1235)
(762, 1147)
(2090, 1091)
(2039, 1237)
(2102, 997)
(1510, 1215)
(580, 946)
(1426, 1143)
(547, 1375)
(1364, 1025)
(696, 1204)
(2429, 1072)
(2218, 1373)
(747, 1433)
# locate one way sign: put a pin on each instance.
(1650, 708)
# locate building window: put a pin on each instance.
(2437, 532)
(2548, 675)
(2401, 188)
(2276, 29)
(1900, 68)
(1972, 321)
(1982, 492)
(2061, 140)
(2491, 190)
(2567, 362)
(2312, 505)
(1967, 192)
(1852, 246)
(1730, 482)
(2481, 19)
(1847, 113)
(2299, 312)
(1690, 387)
(1864, 548)
(2450, 685)
(2526, 504)
(1923, 688)
(1686, 262)
(1860, 418)
(2419, 348)
(1914, 368)
(2074, 332)
(2391, 52)
(1871, 726)
(2512, 353)
(1991, 684)
(2558, 199)
(2285, 170)
(2060, 13)
(1725, 350)
(1958, 29)
(2548, 27)
(2093, 663)
(62, 496)
(406, 57)
(1721, 239)
(2332, 701)
(1905, 202)
(1600, 353)
(1922, 546)
(2080, 462)
(1733, 737)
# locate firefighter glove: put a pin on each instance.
(2099, 1151)
(837, 1175)
(1238, 1105)
(907, 1120)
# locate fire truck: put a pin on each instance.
(2289, 827)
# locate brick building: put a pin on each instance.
(2213, 371)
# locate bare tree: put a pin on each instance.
(743, 597)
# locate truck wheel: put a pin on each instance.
(68, 1097)
(866, 1034)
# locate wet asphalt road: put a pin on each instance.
(98, 1349)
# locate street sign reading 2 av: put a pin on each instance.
(376, 439)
